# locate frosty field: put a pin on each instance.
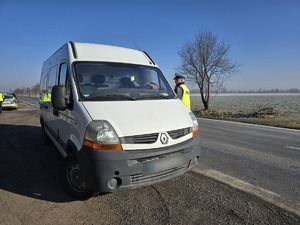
(287, 106)
(282, 102)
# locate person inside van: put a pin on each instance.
(145, 80)
(126, 82)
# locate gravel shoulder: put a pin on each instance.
(31, 190)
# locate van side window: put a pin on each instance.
(64, 79)
(43, 87)
(52, 78)
(63, 71)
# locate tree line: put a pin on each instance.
(33, 91)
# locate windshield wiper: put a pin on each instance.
(154, 96)
(165, 96)
(94, 98)
(109, 97)
(122, 97)
(115, 97)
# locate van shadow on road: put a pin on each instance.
(29, 168)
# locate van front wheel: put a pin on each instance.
(73, 179)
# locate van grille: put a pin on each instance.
(139, 178)
(174, 134)
(140, 139)
(152, 138)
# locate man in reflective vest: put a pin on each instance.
(1, 100)
(182, 90)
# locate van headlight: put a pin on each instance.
(100, 135)
(195, 127)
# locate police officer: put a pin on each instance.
(182, 90)
(1, 100)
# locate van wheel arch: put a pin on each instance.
(73, 179)
(71, 148)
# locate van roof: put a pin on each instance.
(108, 53)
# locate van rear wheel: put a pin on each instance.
(73, 179)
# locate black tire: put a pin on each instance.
(73, 180)
(45, 138)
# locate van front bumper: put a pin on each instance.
(111, 171)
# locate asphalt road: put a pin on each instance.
(31, 190)
(266, 157)
(31, 101)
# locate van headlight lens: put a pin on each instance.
(194, 120)
(101, 131)
(195, 124)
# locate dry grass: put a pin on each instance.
(270, 110)
(273, 118)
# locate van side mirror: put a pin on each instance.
(58, 97)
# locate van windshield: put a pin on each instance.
(98, 81)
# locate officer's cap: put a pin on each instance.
(179, 76)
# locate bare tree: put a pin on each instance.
(18, 91)
(205, 61)
(27, 91)
(35, 89)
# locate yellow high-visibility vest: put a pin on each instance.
(46, 97)
(1, 97)
(186, 96)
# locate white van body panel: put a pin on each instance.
(74, 123)
(107, 53)
(131, 118)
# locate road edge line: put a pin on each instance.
(261, 193)
(36, 106)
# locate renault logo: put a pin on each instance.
(164, 139)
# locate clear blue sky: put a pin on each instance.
(264, 34)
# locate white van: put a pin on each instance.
(115, 119)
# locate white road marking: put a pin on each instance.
(291, 147)
(266, 195)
